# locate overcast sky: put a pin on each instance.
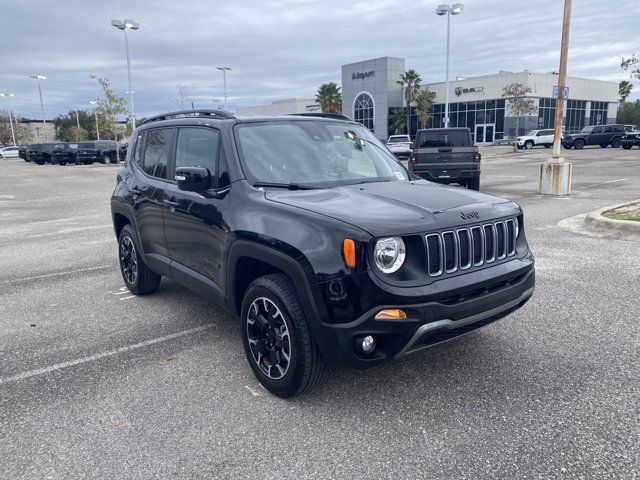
(282, 49)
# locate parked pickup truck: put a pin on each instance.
(400, 146)
(446, 155)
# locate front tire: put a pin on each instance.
(528, 145)
(277, 340)
(626, 147)
(138, 278)
(106, 160)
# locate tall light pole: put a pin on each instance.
(95, 112)
(224, 80)
(77, 125)
(555, 173)
(13, 133)
(448, 10)
(44, 122)
(125, 25)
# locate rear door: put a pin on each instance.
(147, 185)
(195, 226)
(597, 136)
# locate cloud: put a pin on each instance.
(281, 49)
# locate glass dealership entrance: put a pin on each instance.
(485, 133)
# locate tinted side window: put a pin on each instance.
(157, 151)
(198, 147)
(608, 129)
(137, 156)
(618, 128)
(596, 130)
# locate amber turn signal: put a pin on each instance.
(349, 252)
(391, 314)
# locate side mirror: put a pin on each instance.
(193, 179)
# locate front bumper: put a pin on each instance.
(430, 322)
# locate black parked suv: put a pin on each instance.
(103, 151)
(311, 233)
(603, 135)
(64, 153)
(446, 155)
(22, 152)
(40, 153)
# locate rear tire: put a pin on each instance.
(547, 145)
(138, 278)
(578, 144)
(106, 160)
(616, 142)
(474, 184)
(274, 327)
(603, 145)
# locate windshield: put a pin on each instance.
(314, 153)
(531, 133)
(586, 130)
(450, 138)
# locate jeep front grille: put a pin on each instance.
(470, 247)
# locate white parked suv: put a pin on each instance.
(536, 138)
(8, 152)
(400, 146)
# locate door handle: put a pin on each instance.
(171, 203)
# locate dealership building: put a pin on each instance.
(370, 94)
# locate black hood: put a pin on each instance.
(398, 208)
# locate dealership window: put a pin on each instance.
(598, 114)
(546, 113)
(363, 110)
(575, 115)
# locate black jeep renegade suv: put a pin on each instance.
(309, 231)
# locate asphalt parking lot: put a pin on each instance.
(98, 383)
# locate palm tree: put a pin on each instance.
(329, 97)
(398, 121)
(424, 103)
(410, 81)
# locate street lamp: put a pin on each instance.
(95, 112)
(44, 122)
(448, 10)
(125, 25)
(13, 133)
(224, 79)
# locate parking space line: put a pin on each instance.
(99, 356)
(601, 183)
(58, 274)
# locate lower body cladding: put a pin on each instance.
(367, 341)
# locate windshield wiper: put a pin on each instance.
(290, 186)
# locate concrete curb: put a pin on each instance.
(619, 228)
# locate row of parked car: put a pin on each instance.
(81, 153)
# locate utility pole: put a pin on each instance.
(13, 133)
(77, 125)
(555, 173)
(38, 78)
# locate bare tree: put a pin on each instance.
(519, 104)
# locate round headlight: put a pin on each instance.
(389, 254)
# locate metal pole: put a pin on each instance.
(13, 133)
(44, 122)
(95, 112)
(132, 114)
(224, 80)
(446, 95)
(562, 80)
(77, 125)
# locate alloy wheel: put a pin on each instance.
(268, 338)
(128, 260)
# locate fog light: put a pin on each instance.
(368, 344)
(391, 314)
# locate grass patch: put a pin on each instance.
(627, 212)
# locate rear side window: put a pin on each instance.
(608, 129)
(86, 145)
(157, 151)
(198, 147)
(454, 138)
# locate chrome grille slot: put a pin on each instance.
(478, 246)
(450, 245)
(489, 243)
(464, 242)
(501, 244)
(434, 254)
(511, 237)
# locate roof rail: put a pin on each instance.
(221, 114)
(336, 116)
